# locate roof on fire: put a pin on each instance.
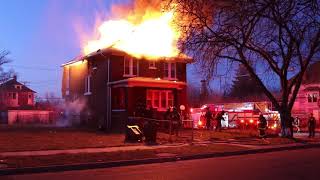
(107, 51)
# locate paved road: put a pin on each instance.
(297, 164)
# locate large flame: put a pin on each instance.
(152, 37)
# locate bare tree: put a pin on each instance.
(5, 75)
(281, 37)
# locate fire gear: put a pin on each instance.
(262, 126)
(311, 126)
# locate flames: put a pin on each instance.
(149, 34)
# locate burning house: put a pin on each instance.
(113, 83)
(131, 65)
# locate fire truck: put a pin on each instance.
(237, 115)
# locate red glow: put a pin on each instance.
(251, 121)
(242, 121)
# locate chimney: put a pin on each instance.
(15, 77)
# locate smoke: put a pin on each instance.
(70, 114)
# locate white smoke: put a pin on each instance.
(70, 114)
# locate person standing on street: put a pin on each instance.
(219, 119)
(297, 124)
(262, 126)
(209, 118)
(290, 126)
(311, 125)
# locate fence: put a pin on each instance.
(30, 117)
(163, 125)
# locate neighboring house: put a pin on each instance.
(17, 105)
(15, 95)
(114, 85)
(308, 97)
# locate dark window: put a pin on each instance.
(14, 95)
(170, 70)
(118, 98)
(315, 97)
(126, 66)
(131, 66)
(152, 65)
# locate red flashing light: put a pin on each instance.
(242, 121)
(251, 121)
(199, 123)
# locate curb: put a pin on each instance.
(97, 165)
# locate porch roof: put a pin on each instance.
(312, 88)
(148, 82)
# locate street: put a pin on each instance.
(297, 164)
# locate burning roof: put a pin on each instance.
(143, 30)
(109, 51)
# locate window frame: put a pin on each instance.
(155, 97)
(152, 65)
(87, 85)
(14, 96)
(131, 67)
(67, 80)
(312, 97)
(168, 69)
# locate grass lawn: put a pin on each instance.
(63, 159)
(48, 138)
(43, 138)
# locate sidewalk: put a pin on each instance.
(88, 150)
(89, 158)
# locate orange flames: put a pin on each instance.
(146, 32)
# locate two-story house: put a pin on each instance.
(112, 84)
(308, 98)
(15, 95)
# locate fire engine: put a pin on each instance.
(237, 115)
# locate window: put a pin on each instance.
(149, 98)
(118, 99)
(152, 65)
(87, 85)
(160, 99)
(312, 97)
(29, 96)
(170, 70)
(130, 67)
(14, 95)
(18, 87)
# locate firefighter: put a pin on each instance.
(208, 117)
(262, 126)
(290, 126)
(219, 119)
(176, 120)
(297, 123)
(311, 125)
